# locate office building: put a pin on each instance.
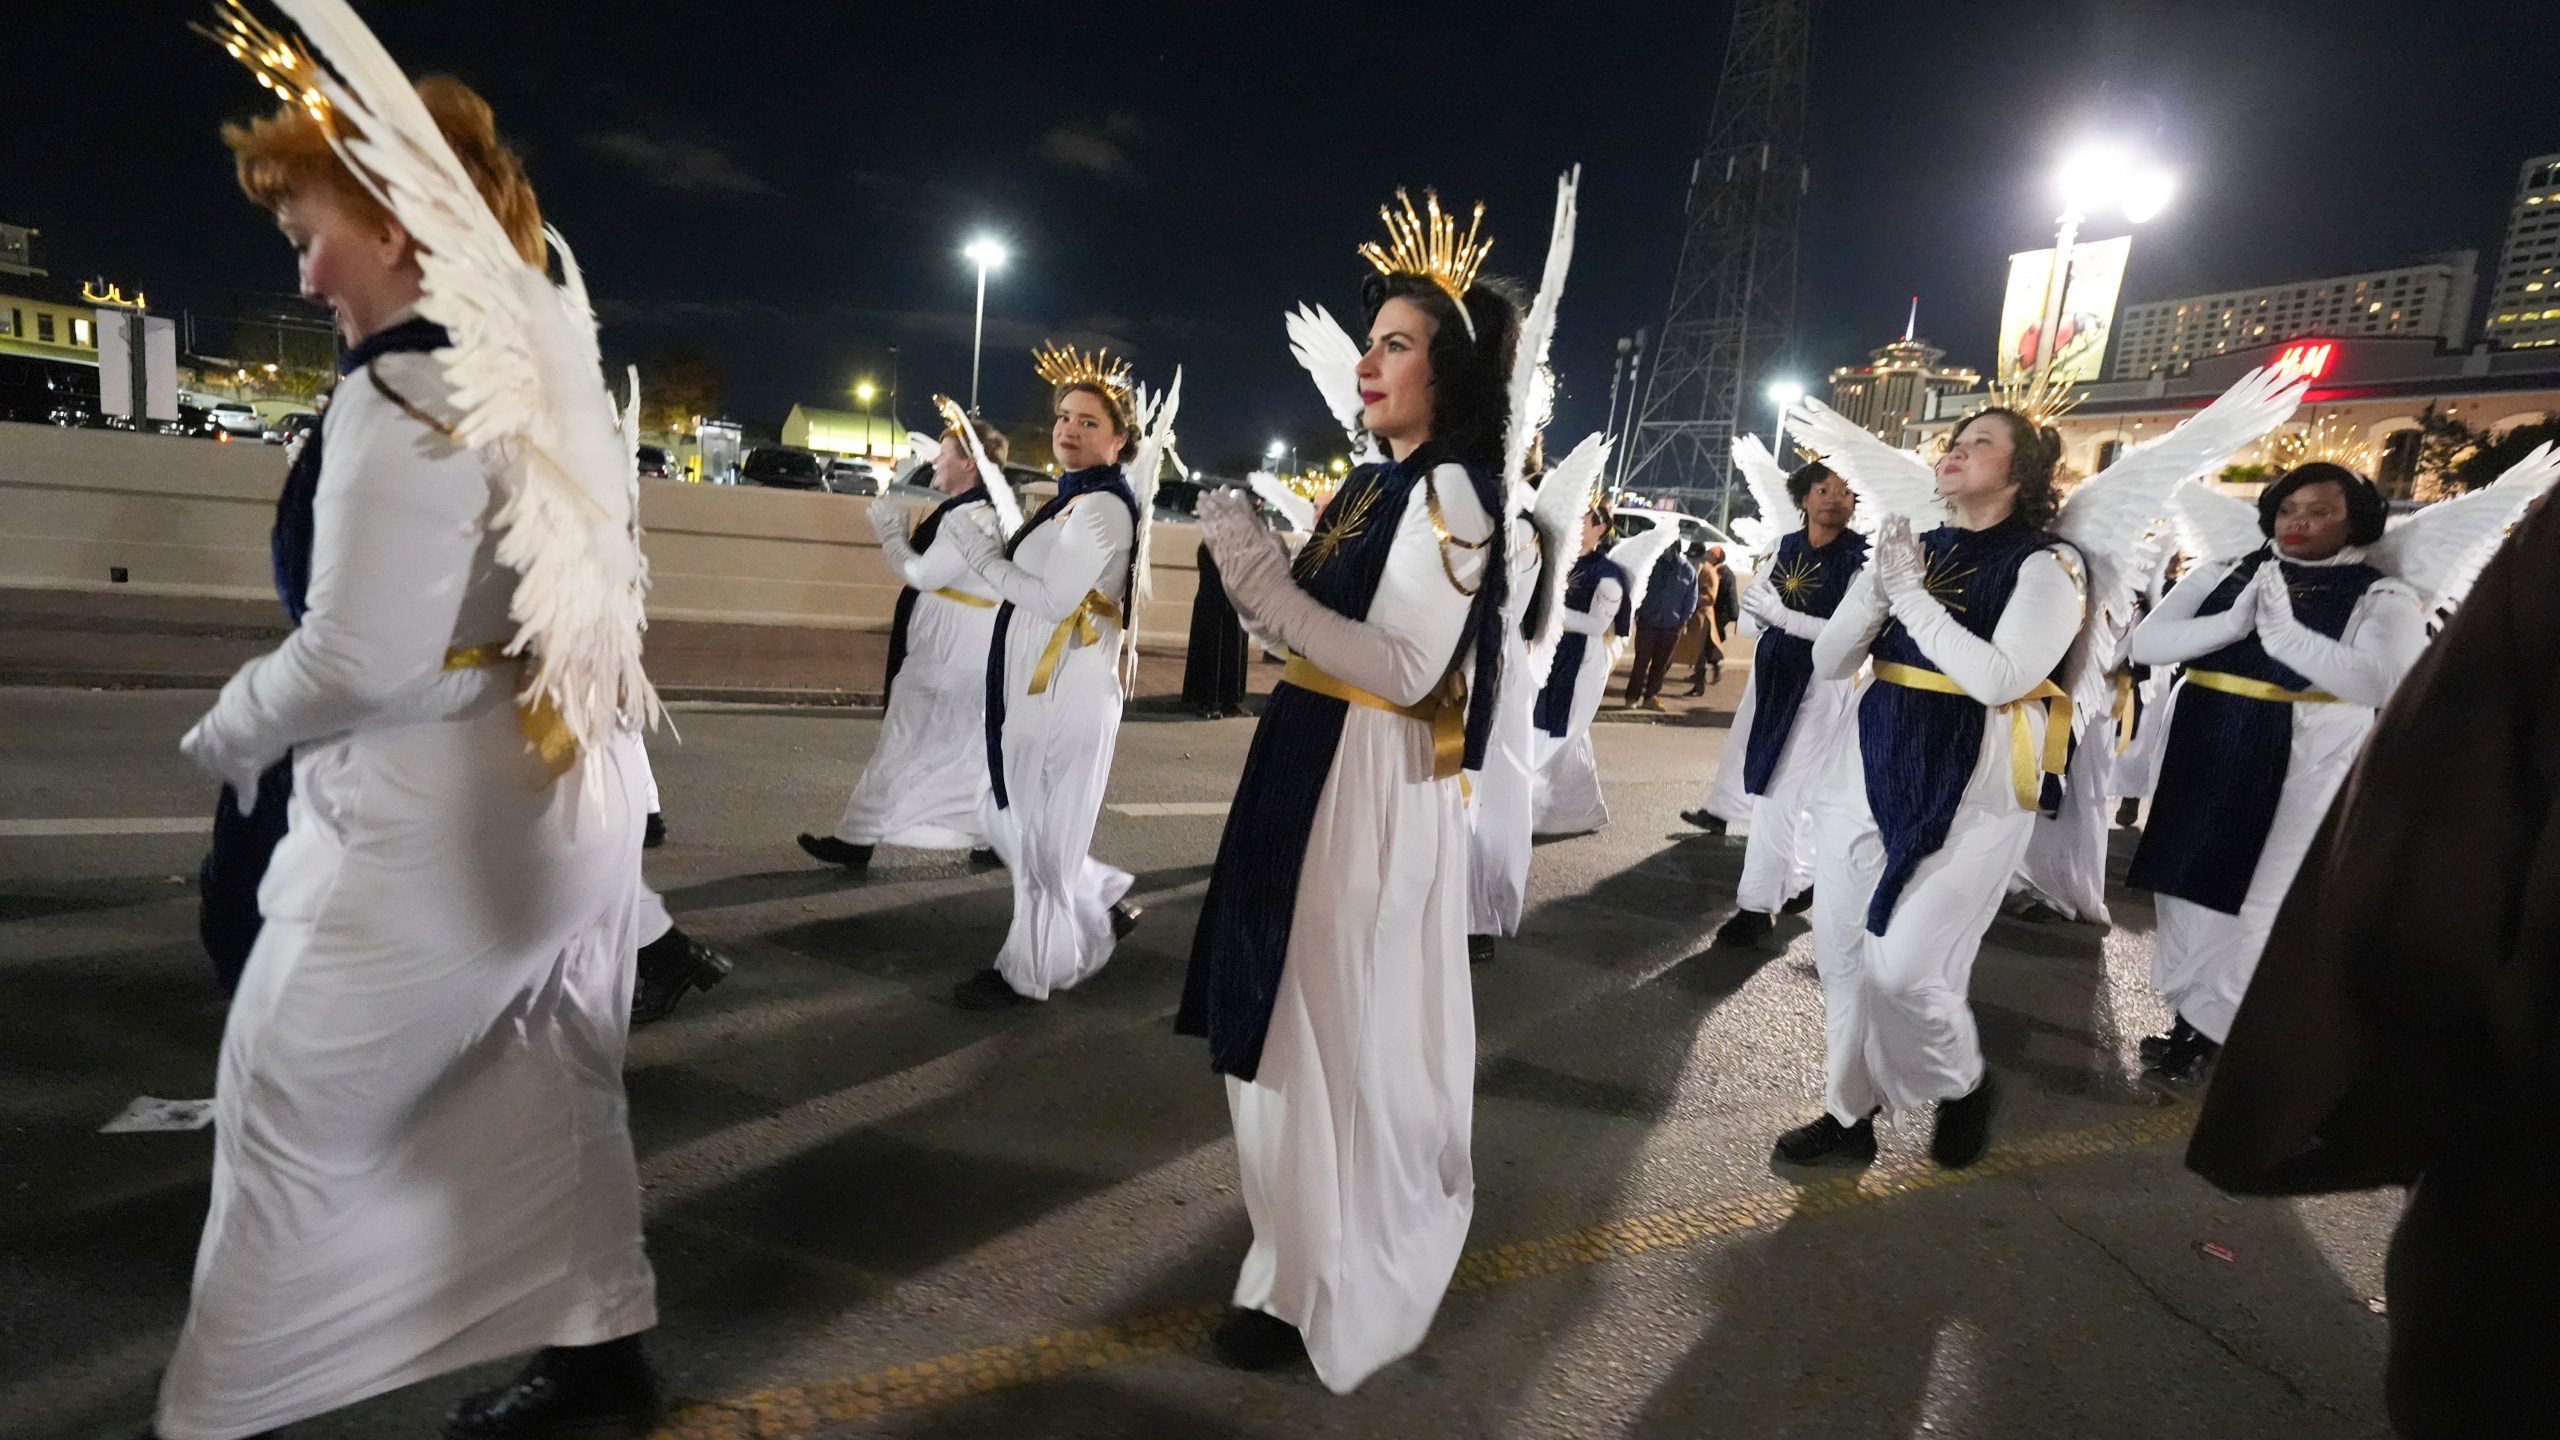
(2524, 303)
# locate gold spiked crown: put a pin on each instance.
(280, 61)
(955, 421)
(1428, 244)
(1064, 365)
(2042, 393)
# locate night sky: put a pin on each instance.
(787, 187)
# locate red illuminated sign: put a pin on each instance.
(2305, 362)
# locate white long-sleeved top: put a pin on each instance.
(1090, 552)
(2036, 628)
(2383, 637)
(941, 566)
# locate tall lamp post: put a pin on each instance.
(863, 391)
(987, 254)
(2092, 177)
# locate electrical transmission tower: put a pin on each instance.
(1733, 298)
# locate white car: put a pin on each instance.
(234, 417)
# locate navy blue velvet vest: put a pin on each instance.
(904, 614)
(1920, 746)
(1813, 581)
(1242, 945)
(1554, 711)
(1100, 479)
(2222, 773)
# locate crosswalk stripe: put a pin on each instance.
(136, 825)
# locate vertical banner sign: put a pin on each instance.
(2088, 309)
(118, 366)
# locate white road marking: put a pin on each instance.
(1150, 809)
(140, 825)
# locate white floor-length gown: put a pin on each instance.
(1501, 814)
(1058, 743)
(421, 1154)
(1777, 861)
(1567, 796)
(926, 783)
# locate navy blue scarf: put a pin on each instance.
(227, 919)
(2222, 773)
(1812, 580)
(1100, 479)
(1242, 945)
(1919, 747)
(1554, 712)
(904, 614)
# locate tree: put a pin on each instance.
(2444, 442)
(2493, 457)
(677, 385)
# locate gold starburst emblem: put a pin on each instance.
(1343, 521)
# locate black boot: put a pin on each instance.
(2128, 810)
(2184, 1058)
(1798, 905)
(1746, 928)
(1252, 1340)
(988, 990)
(1825, 1141)
(654, 834)
(1963, 1130)
(836, 852)
(567, 1392)
(2156, 1047)
(1124, 918)
(982, 858)
(671, 965)
(1704, 821)
(1479, 949)
(1697, 686)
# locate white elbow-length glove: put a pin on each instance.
(1253, 564)
(1902, 570)
(227, 757)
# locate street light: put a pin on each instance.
(863, 390)
(987, 254)
(2093, 177)
(1782, 394)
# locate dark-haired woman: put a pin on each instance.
(1053, 702)
(2287, 653)
(1594, 616)
(1330, 969)
(1921, 822)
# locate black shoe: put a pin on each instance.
(1963, 1130)
(2128, 810)
(982, 858)
(1798, 905)
(669, 966)
(585, 1392)
(1479, 949)
(988, 990)
(654, 834)
(1704, 821)
(1746, 928)
(2185, 1058)
(1825, 1141)
(1124, 918)
(2155, 1047)
(1251, 1340)
(1697, 688)
(1719, 677)
(836, 852)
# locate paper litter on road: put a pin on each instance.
(150, 1112)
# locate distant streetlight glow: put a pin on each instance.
(1275, 450)
(863, 390)
(987, 253)
(2094, 176)
(1783, 394)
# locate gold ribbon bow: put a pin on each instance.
(1078, 629)
(1444, 709)
(538, 719)
(2025, 771)
(2230, 684)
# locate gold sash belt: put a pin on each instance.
(964, 597)
(2230, 684)
(2024, 777)
(1444, 710)
(540, 721)
(1078, 629)
(2124, 710)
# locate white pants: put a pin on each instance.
(1777, 864)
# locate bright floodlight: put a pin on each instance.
(2090, 177)
(2147, 193)
(863, 390)
(1784, 393)
(988, 253)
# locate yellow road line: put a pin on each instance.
(788, 1411)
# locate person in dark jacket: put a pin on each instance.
(1670, 598)
(1213, 665)
(1723, 604)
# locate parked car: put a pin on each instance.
(194, 421)
(783, 467)
(282, 429)
(235, 417)
(847, 476)
(654, 464)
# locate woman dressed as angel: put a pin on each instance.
(2289, 650)
(421, 1153)
(1053, 686)
(926, 784)
(1329, 973)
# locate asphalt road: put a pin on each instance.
(874, 1214)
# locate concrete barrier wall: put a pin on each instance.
(190, 517)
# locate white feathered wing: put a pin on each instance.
(1564, 496)
(528, 387)
(1295, 510)
(1332, 359)
(1887, 481)
(2211, 525)
(1531, 399)
(1767, 482)
(1636, 555)
(2440, 550)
